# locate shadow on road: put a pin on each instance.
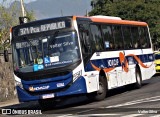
(68, 103)
(157, 75)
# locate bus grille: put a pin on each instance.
(39, 76)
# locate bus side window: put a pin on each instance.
(147, 37)
(127, 37)
(108, 37)
(135, 36)
(84, 37)
(118, 37)
(97, 37)
(142, 37)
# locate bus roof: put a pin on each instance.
(92, 19)
(113, 21)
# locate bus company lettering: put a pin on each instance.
(113, 62)
(38, 88)
(42, 28)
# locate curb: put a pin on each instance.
(9, 102)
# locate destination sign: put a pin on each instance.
(42, 28)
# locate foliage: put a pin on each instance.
(139, 10)
(31, 15)
(9, 18)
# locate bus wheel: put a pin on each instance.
(138, 83)
(101, 93)
(47, 104)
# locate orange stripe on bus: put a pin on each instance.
(95, 67)
(114, 21)
(98, 69)
(139, 61)
(123, 62)
(10, 29)
(111, 21)
(108, 69)
(74, 17)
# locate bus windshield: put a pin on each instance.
(46, 52)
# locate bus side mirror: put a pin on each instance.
(6, 56)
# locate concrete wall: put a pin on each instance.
(7, 87)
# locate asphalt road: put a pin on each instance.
(144, 102)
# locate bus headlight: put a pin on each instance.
(77, 75)
(17, 83)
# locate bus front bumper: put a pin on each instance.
(78, 87)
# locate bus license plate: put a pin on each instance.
(46, 96)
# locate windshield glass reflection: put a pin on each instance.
(48, 52)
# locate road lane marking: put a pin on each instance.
(151, 99)
(145, 99)
(132, 115)
(99, 115)
(68, 115)
(86, 111)
(156, 115)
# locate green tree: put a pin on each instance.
(139, 10)
(9, 17)
(7, 20)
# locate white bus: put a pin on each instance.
(59, 57)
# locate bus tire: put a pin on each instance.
(47, 104)
(101, 93)
(138, 75)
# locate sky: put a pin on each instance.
(9, 1)
(26, 1)
(54, 8)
